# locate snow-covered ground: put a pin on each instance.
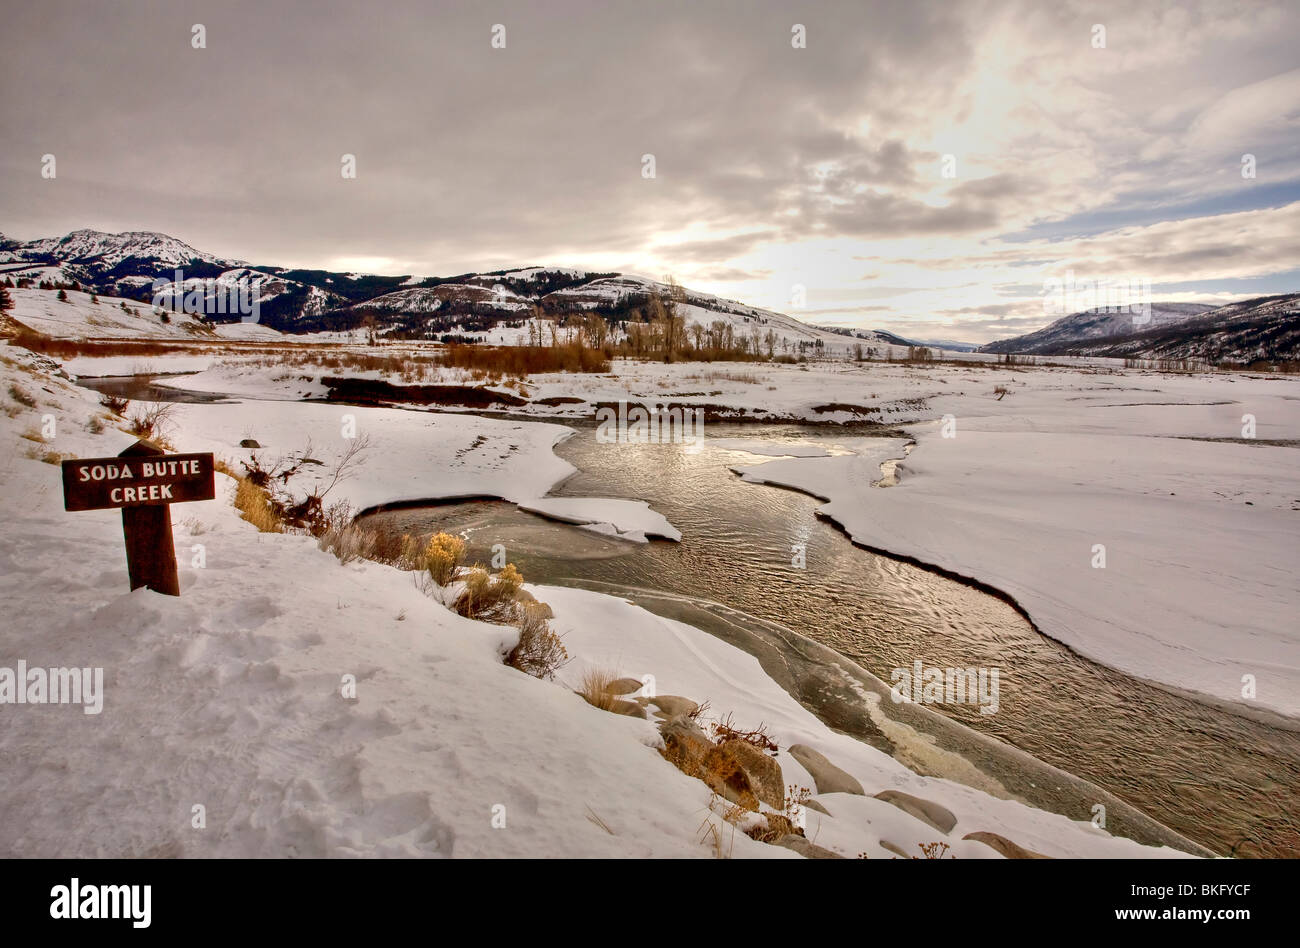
(227, 702)
(1109, 518)
(820, 392)
(90, 367)
(626, 519)
(80, 318)
(412, 456)
(1199, 524)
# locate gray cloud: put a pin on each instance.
(730, 275)
(471, 157)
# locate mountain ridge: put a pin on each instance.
(1261, 329)
(300, 300)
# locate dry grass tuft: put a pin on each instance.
(349, 542)
(725, 730)
(935, 850)
(117, 404)
(596, 688)
(254, 505)
(41, 453)
(152, 421)
(21, 395)
(775, 826)
(540, 652)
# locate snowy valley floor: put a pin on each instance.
(1185, 486)
(229, 697)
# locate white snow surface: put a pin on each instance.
(113, 366)
(230, 697)
(419, 456)
(79, 318)
(625, 519)
(1200, 537)
(682, 660)
(776, 449)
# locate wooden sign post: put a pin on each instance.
(143, 481)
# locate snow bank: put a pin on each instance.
(225, 730)
(683, 660)
(79, 318)
(416, 456)
(776, 449)
(108, 366)
(625, 519)
(229, 698)
(1200, 537)
(251, 332)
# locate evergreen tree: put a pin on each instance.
(63, 296)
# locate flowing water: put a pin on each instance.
(1068, 733)
(1228, 782)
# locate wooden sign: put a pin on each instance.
(143, 481)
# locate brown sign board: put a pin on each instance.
(142, 481)
(110, 483)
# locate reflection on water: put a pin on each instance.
(1227, 782)
(140, 388)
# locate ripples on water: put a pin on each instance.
(1227, 782)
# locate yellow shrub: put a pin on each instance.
(489, 597)
(443, 556)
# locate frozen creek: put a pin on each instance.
(830, 631)
(1227, 782)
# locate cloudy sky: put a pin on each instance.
(775, 167)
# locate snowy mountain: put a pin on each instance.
(1090, 326)
(93, 247)
(117, 264)
(405, 306)
(1266, 328)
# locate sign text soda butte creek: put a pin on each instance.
(142, 482)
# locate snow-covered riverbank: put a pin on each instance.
(1132, 534)
(229, 699)
(1186, 487)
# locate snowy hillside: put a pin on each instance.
(93, 248)
(706, 308)
(1263, 329)
(402, 306)
(81, 317)
(1077, 328)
